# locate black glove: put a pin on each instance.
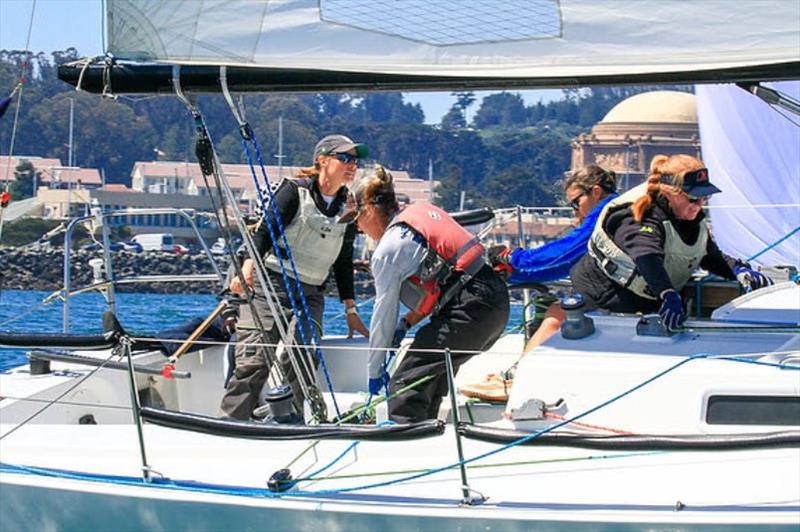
(500, 259)
(671, 311)
(400, 332)
(751, 279)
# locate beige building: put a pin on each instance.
(170, 177)
(51, 173)
(637, 129)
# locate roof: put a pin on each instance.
(664, 107)
(51, 170)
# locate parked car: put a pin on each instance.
(95, 246)
(132, 246)
(219, 247)
(155, 241)
(179, 249)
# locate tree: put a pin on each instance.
(26, 176)
(503, 109)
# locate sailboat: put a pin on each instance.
(624, 426)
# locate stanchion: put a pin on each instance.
(467, 494)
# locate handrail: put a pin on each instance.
(187, 214)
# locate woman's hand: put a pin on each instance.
(354, 322)
(247, 273)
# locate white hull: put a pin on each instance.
(58, 474)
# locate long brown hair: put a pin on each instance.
(664, 170)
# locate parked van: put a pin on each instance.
(155, 241)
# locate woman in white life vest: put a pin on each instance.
(309, 207)
(436, 267)
(647, 243)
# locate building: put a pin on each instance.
(51, 173)
(637, 129)
(171, 177)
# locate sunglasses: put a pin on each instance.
(346, 158)
(575, 202)
(696, 199)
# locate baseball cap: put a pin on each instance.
(333, 144)
(697, 184)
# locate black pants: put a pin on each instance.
(253, 363)
(472, 321)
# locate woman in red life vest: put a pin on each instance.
(436, 267)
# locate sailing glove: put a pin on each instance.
(400, 332)
(376, 385)
(751, 279)
(671, 311)
(500, 259)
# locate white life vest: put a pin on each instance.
(680, 259)
(451, 249)
(314, 239)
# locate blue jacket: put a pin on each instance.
(553, 260)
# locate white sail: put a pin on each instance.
(552, 39)
(753, 154)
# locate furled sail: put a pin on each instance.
(491, 43)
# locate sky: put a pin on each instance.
(59, 24)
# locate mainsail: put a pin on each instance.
(393, 44)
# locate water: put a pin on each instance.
(140, 314)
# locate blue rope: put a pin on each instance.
(255, 492)
(305, 318)
(777, 242)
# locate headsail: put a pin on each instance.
(754, 158)
(470, 43)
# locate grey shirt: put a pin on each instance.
(397, 257)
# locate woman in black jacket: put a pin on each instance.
(648, 242)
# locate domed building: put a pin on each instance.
(637, 129)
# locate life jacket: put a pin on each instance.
(451, 251)
(680, 259)
(314, 239)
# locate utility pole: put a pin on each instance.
(430, 180)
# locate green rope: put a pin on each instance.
(482, 466)
(358, 411)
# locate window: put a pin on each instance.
(753, 410)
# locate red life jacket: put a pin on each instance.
(451, 249)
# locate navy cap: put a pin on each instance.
(696, 183)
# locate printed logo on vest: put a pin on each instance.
(434, 215)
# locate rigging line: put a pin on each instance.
(776, 243)
(56, 400)
(784, 115)
(306, 315)
(546, 461)
(20, 86)
(68, 403)
(202, 133)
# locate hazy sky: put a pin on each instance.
(59, 24)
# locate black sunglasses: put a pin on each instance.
(695, 199)
(346, 158)
(575, 202)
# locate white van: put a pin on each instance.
(155, 241)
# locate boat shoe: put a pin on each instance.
(493, 388)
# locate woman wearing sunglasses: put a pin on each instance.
(647, 243)
(308, 207)
(587, 191)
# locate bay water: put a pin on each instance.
(25, 311)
